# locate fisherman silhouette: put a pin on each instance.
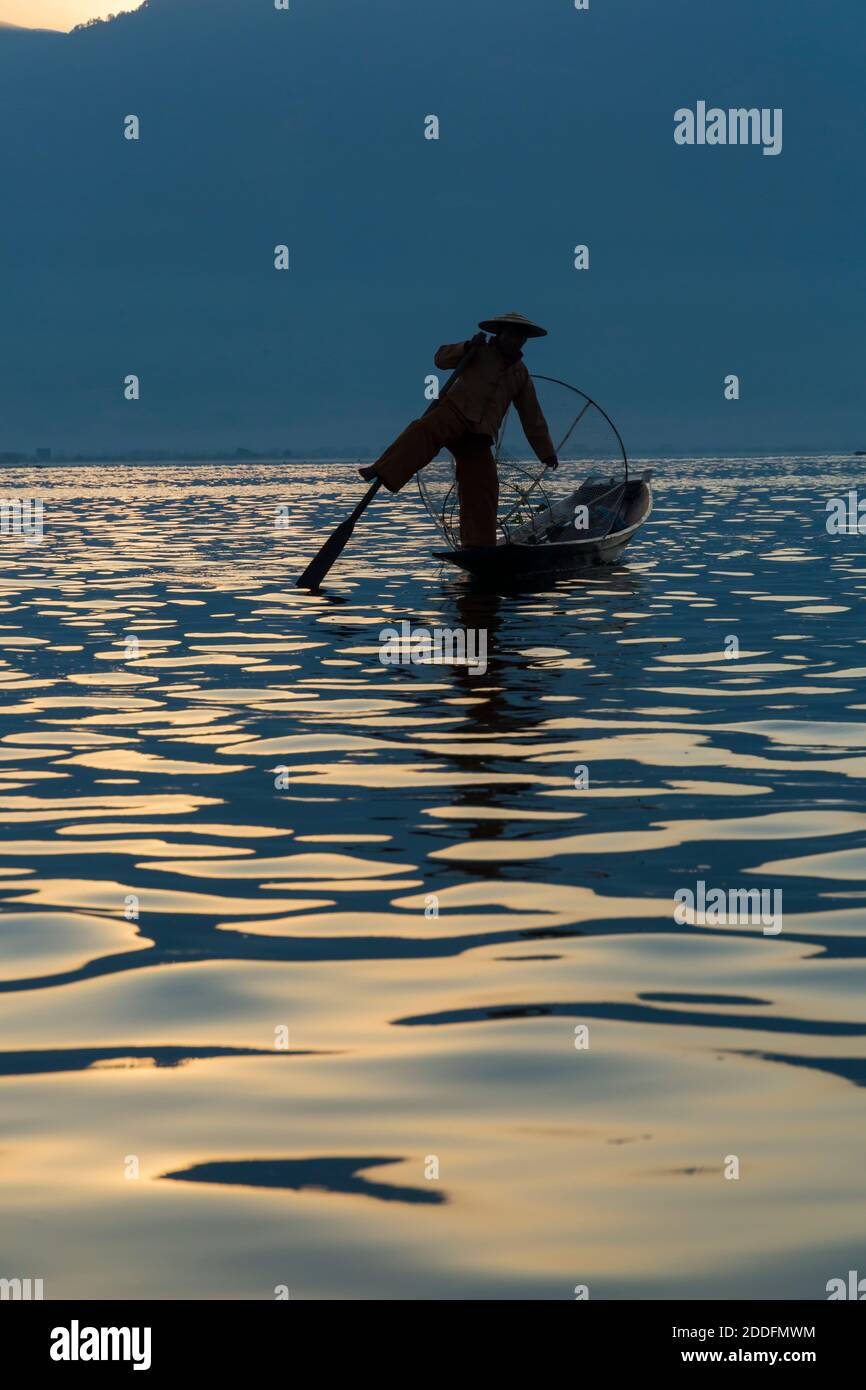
(467, 421)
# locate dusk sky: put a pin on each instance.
(57, 14)
(261, 128)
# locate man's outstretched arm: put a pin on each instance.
(534, 424)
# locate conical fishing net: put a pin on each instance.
(579, 500)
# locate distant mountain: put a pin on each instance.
(306, 127)
(21, 31)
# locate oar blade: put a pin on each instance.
(327, 556)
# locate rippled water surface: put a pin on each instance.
(149, 775)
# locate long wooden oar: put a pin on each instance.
(336, 543)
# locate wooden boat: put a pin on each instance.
(549, 543)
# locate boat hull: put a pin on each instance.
(560, 557)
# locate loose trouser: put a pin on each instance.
(477, 479)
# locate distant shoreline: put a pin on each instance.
(201, 460)
(80, 461)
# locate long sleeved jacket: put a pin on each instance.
(484, 391)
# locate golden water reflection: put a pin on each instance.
(285, 923)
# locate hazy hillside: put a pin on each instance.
(306, 127)
(19, 31)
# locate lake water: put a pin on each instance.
(254, 1083)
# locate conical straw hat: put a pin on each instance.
(532, 330)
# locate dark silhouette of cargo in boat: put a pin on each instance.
(551, 542)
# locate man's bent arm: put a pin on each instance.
(450, 354)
